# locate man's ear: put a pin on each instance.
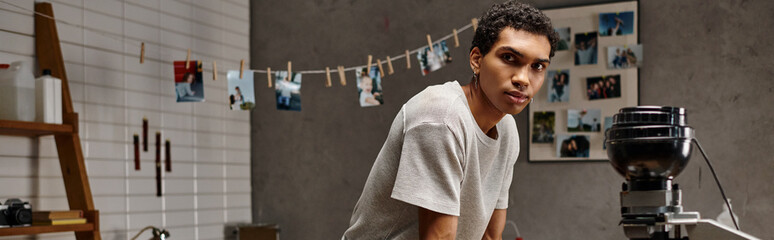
(475, 59)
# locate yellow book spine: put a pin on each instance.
(61, 222)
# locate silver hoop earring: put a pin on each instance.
(475, 81)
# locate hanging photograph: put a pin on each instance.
(288, 90)
(241, 95)
(543, 127)
(572, 145)
(583, 120)
(603, 87)
(616, 24)
(430, 61)
(369, 87)
(188, 82)
(627, 56)
(564, 39)
(559, 85)
(586, 48)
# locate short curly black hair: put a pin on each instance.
(516, 15)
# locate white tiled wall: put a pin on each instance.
(210, 182)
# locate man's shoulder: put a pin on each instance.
(436, 104)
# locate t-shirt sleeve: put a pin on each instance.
(502, 201)
(430, 170)
(514, 143)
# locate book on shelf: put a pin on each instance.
(59, 221)
(49, 215)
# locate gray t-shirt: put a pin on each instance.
(436, 157)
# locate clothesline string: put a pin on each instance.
(118, 37)
(115, 36)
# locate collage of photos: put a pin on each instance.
(543, 127)
(430, 61)
(369, 87)
(241, 95)
(583, 120)
(564, 39)
(288, 90)
(619, 57)
(591, 47)
(616, 24)
(559, 86)
(586, 48)
(572, 146)
(603, 87)
(188, 82)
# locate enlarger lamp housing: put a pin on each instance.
(649, 143)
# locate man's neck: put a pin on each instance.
(486, 115)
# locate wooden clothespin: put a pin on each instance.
(474, 22)
(429, 42)
(268, 76)
(188, 59)
(370, 60)
(342, 76)
(142, 53)
(379, 64)
(456, 38)
(408, 60)
(390, 70)
(290, 78)
(327, 77)
(241, 68)
(214, 71)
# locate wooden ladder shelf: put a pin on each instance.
(68, 142)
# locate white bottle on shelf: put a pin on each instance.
(17, 92)
(49, 98)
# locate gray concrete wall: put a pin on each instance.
(309, 167)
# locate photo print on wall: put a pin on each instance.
(369, 87)
(241, 94)
(559, 85)
(583, 120)
(586, 48)
(564, 39)
(430, 61)
(288, 90)
(188, 82)
(616, 24)
(543, 127)
(626, 56)
(572, 145)
(608, 125)
(603, 87)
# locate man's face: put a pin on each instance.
(514, 69)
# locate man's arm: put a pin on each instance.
(434, 225)
(494, 231)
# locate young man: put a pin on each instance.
(446, 167)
